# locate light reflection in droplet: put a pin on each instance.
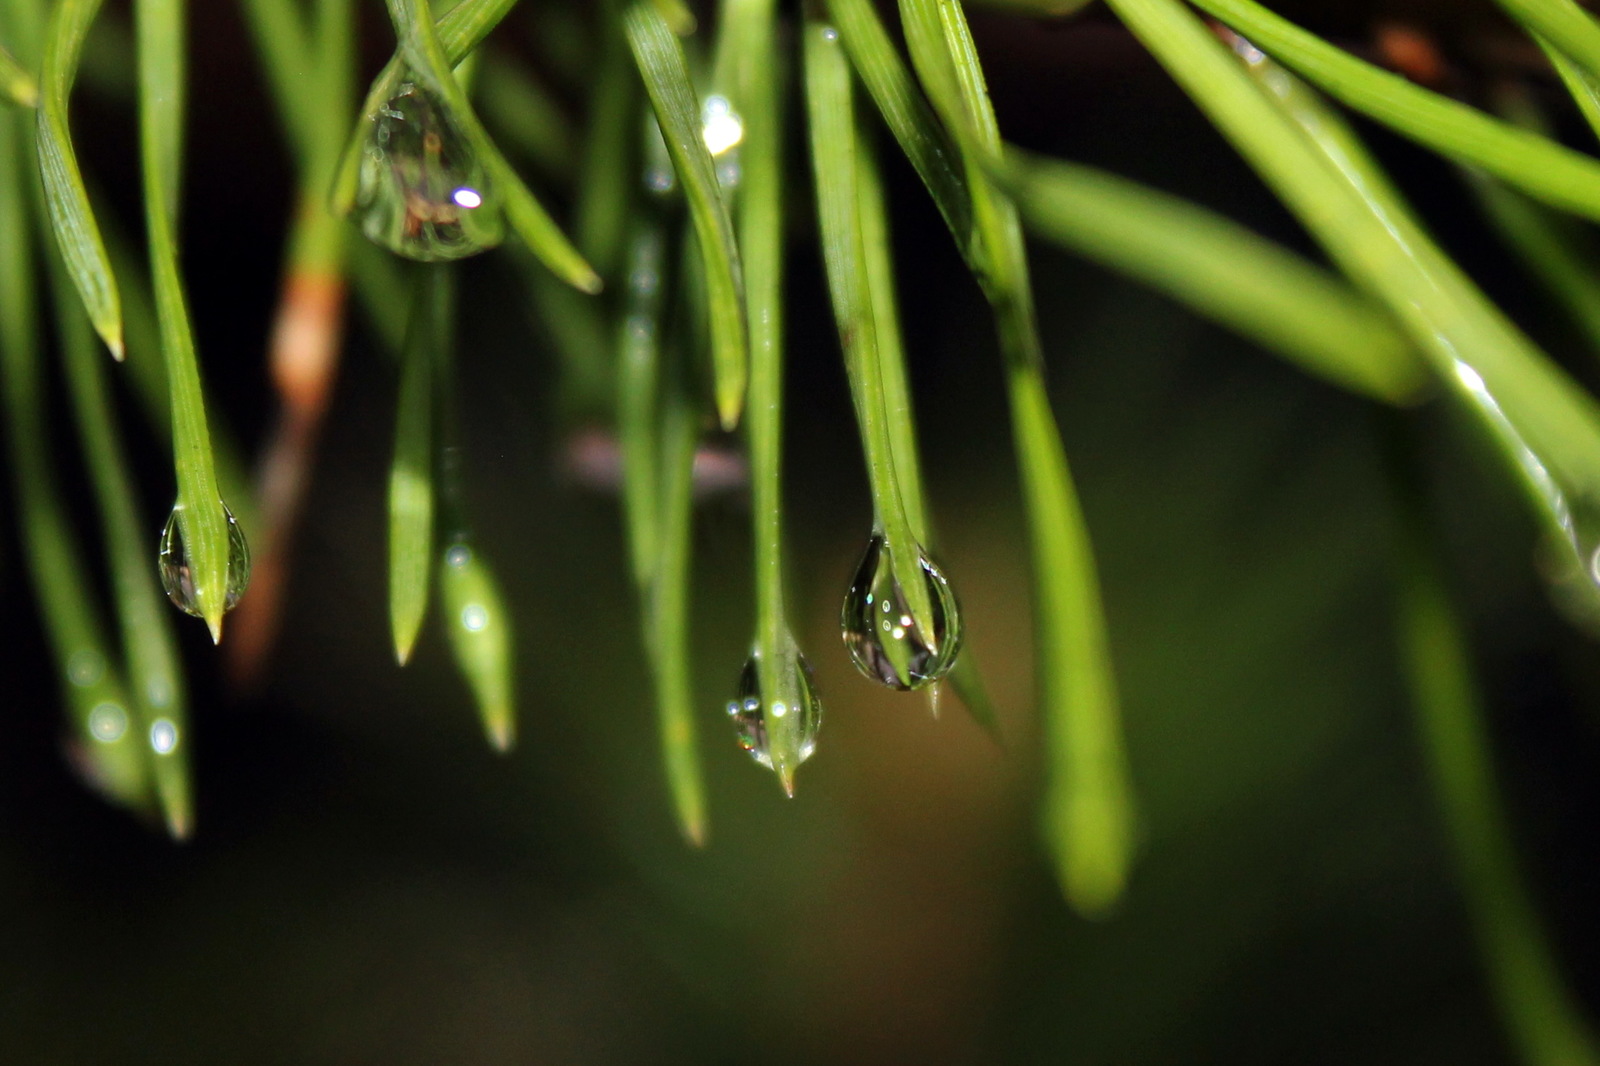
(474, 617)
(830, 34)
(467, 198)
(458, 556)
(163, 736)
(108, 722)
(779, 709)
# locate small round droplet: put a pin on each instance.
(108, 722)
(457, 556)
(177, 577)
(659, 179)
(898, 655)
(830, 34)
(86, 667)
(720, 126)
(163, 736)
(474, 617)
(422, 192)
(158, 690)
(749, 715)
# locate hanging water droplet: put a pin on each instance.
(749, 712)
(883, 638)
(176, 576)
(423, 193)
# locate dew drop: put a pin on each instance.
(422, 192)
(86, 667)
(158, 690)
(108, 722)
(163, 736)
(898, 656)
(749, 716)
(659, 179)
(176, 576)
(720, 126)
(659, 176)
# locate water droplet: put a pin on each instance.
(423, 193)
(474, 617)
(163, 736)
(107, 722)
(802, 707)
(176, 577)
(86, 667)
(720, 126)
(457, 556)
(899, 656)
(659, 176)
(659, 179)
(643, 283)
(830, 34)
(158, 690)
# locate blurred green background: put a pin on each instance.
(369, 884)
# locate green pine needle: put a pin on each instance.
(1541, 167)
(411, 490)
(665, 72)
(201, 518)
(71, 216)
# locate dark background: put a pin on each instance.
(369, 884)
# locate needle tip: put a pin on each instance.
(179, 824)
(502, 736)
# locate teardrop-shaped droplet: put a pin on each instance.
(423, 193)
(884, 640)
(749, 711)
(176, 576)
